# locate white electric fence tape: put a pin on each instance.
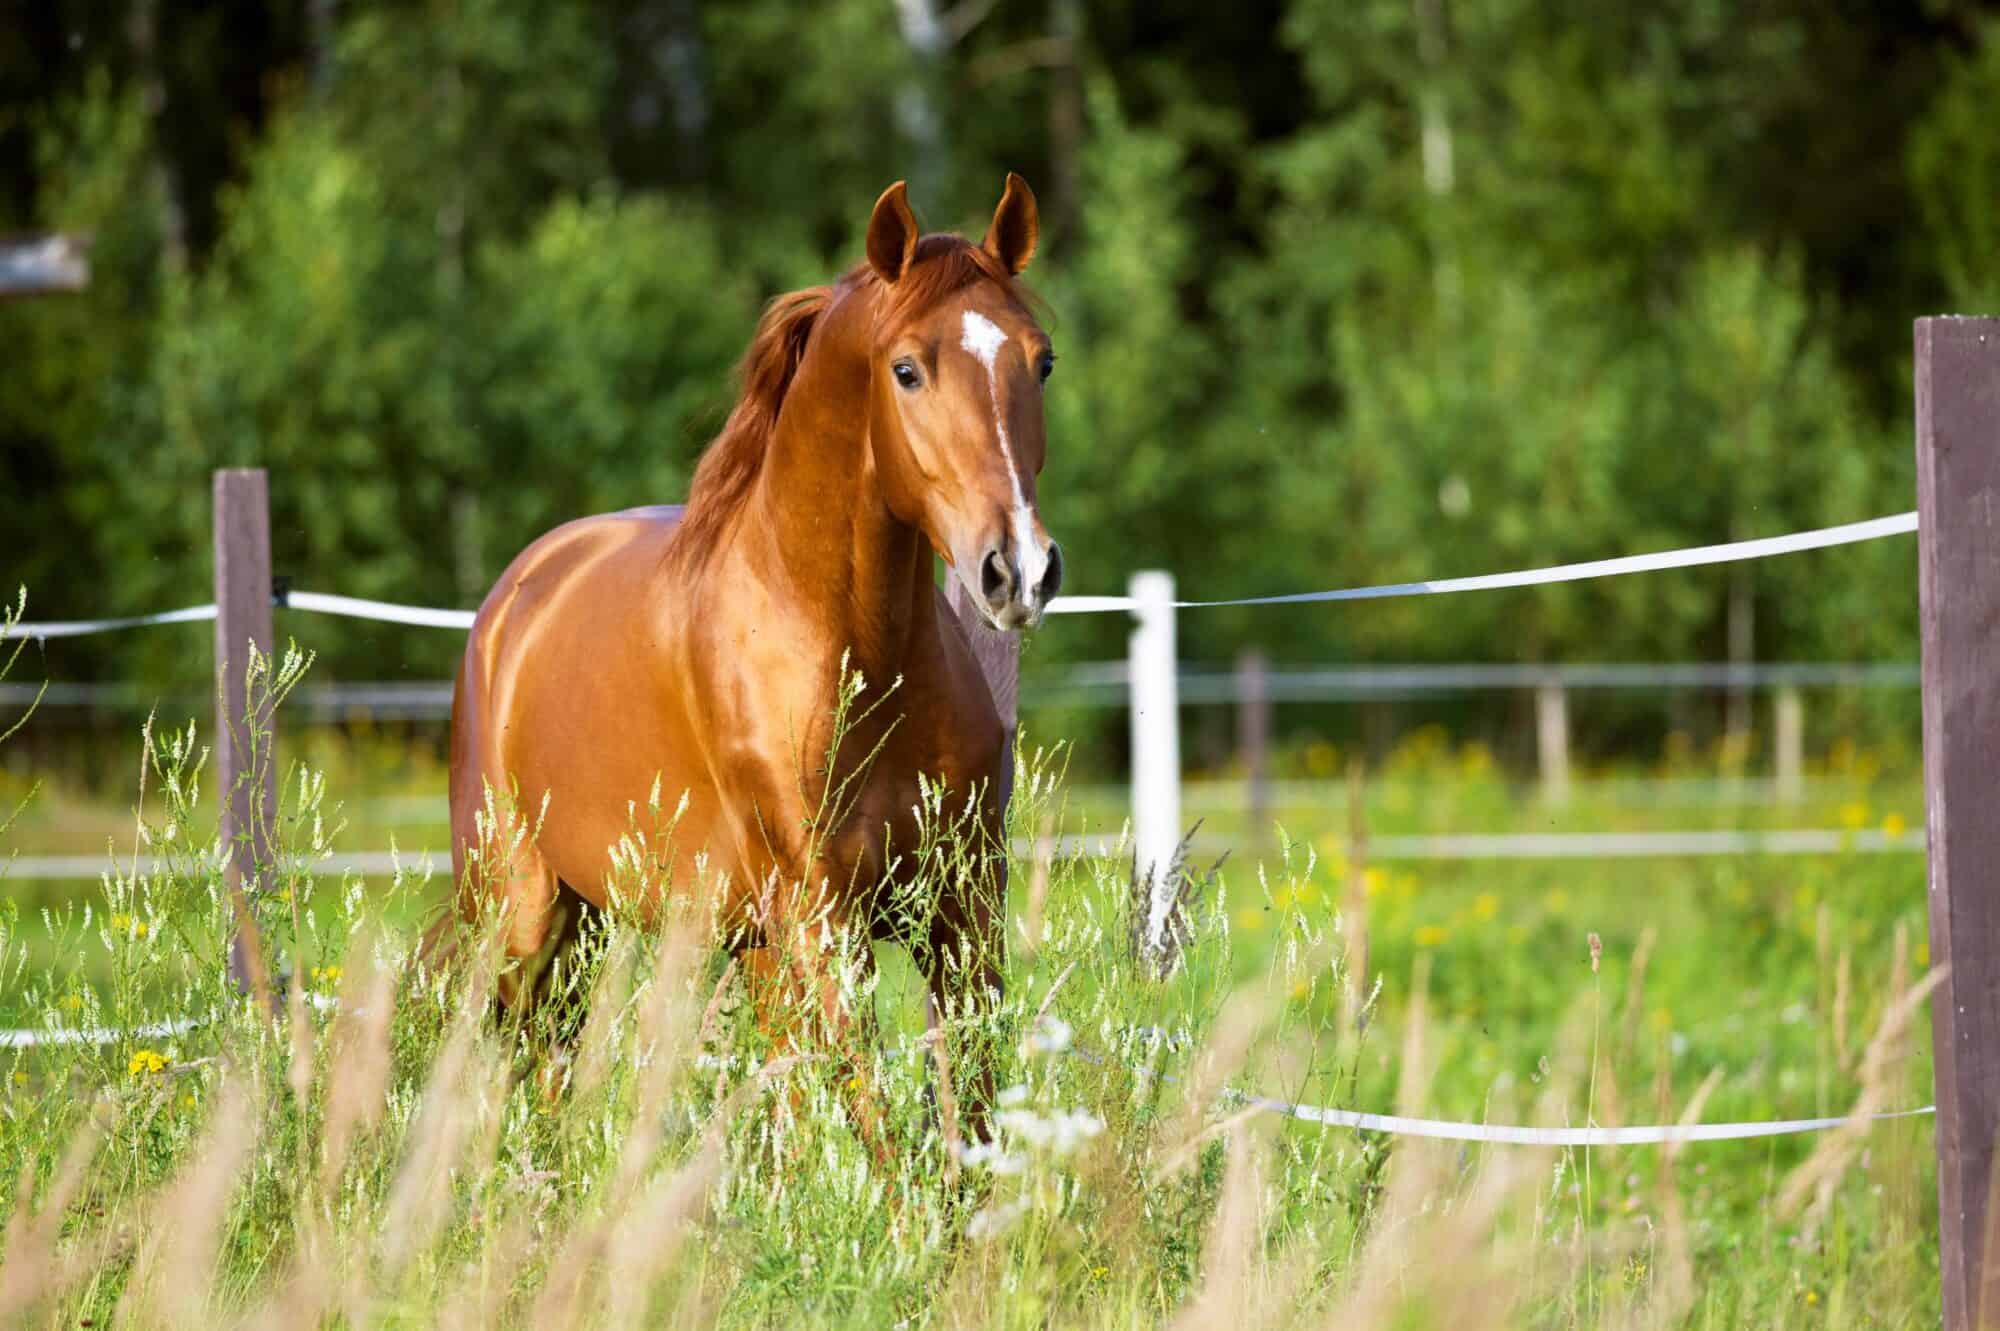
(78, 628)
(159, 1030)
(1393, 1124)
(1853, 532)
(1638, 1135)
(355, 607)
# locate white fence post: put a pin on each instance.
(1156, 739)
(1552, 740)
(1790, 728)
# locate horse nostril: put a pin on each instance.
(1052, 576)
(996, 579)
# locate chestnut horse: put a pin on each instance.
(893, 414)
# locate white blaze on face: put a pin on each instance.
(984, 339)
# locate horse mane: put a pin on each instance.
(944, 264)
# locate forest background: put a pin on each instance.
(1344, 291)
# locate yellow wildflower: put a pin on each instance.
(1373, 880)
(1431, 935)
(1485, 906)
(1557, 901)
(1854, 816)
(146, 1063)
(1249, 920)
(1894, 825)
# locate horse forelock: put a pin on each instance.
(943, 266)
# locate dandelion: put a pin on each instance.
(1373, 881)
(146, 1063)
(1485, 906)
(1431, 935)
(1894, 825)
(1854, 816)
(1249, 920)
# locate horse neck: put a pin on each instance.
(858, 570)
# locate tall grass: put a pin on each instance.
(386, 1147)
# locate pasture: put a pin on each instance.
(667, 1183)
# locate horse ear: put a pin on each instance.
(1016, 225)
(892, 233)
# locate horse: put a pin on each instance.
(889, 419)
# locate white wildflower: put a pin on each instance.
(1051, 1036)
(996, 1220)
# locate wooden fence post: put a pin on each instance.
(999, 656)
(1253, 739)
(245, 727)
(1156, 740)
(1789, 739)
(1958, 580)
(1552, 740)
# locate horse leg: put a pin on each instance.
(528, 899)
(810, 999)
(961, 956)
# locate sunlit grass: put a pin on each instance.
(388, 1151)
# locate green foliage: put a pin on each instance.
(1343, 293)
(1955, 174)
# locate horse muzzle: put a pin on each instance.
(1017, 581)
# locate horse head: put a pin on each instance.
(956, 369)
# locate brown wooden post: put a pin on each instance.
(1253, 738)
(1958, 579)
(243, 736)
(999, 656)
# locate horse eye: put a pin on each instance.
(906, 374)
(1047, 365)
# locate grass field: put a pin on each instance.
(417, 1169)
